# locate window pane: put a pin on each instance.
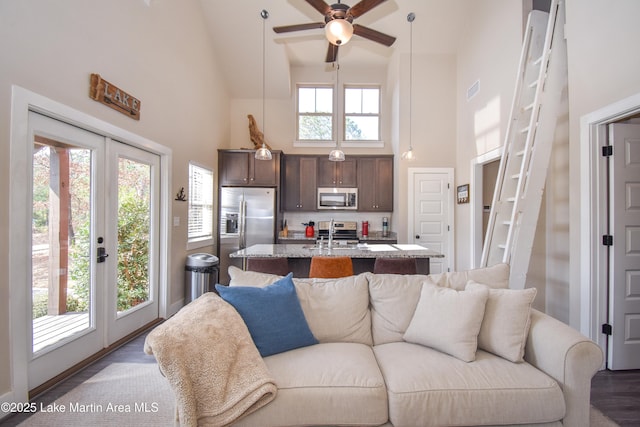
(315, 100)
(315, 128)
(324, 100)
(353, 101)
(200, 203)
(134, 233)
(370, 101)
(306, 100)
(361, 128)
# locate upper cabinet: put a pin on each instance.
(375, 184)
(239, 167)
(299, 183)
(337, 174)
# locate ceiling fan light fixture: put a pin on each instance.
(338, 31)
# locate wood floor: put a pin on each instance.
(615, 393)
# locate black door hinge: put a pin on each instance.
(607, 240)
(607, 329)
(607, 151)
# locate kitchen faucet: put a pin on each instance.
(331, 229)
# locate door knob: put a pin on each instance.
(102, 255)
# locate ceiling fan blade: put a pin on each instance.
(332, 53)
(363, 7)
(320, 6)
(298, 27)
(373, 35)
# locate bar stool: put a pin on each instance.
(279, 266)
(395, 266)
(330, 267)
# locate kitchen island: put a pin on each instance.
(362, 255)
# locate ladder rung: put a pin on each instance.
(502, 246)
(506, 223)
(520, 153)
(533, 84)
(524, 130)
(511, 199)
(529, 107)
(515, 176)
(539, 60)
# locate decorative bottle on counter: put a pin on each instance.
(365, 228)
(385, 227)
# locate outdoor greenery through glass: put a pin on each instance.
(133, 231)
(316, 115)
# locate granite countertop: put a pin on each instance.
(374, 235)
(357, 251)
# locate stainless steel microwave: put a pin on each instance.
(337, 198)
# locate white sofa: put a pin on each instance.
(364, 371)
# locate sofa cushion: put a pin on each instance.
(394, 298)
(506, 322)
(337, 310)
(272, 314)
(240, 277)
(325, 384)
(496, 276)
(449, 320)
(429, 388)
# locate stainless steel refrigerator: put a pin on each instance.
(247, 217)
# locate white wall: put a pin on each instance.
(160, 54)
(489, 53)
(604, 67)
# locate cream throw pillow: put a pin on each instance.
(507, 318)
(448, 320)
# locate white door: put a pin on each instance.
(94, 244)
(624, 262)
(133, 177)
(431, 215)
(66, 217)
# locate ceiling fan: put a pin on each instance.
(338, 25)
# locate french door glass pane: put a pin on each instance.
(134, 222)
(61, 237)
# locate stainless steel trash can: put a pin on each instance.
(201, 275)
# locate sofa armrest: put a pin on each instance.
(568, 357)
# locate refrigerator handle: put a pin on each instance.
(242, 224)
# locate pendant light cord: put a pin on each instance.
(410, 18)
(264, 15)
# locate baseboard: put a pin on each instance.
(6, 399)
(175, 307)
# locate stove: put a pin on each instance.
(342, 230)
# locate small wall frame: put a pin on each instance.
(463, 193)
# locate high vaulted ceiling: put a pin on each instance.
(236, 29)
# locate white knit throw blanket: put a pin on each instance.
(211, 362)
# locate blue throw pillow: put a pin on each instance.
(272, 314)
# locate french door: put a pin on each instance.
(94, 244)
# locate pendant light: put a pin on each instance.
(409, 155)
(337, 155)
(263, 152)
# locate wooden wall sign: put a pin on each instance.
(114, 97)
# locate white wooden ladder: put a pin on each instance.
(542, 76)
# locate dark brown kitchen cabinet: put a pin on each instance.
(337, 174)
(375, 184)
(299, 183)
(239, 167)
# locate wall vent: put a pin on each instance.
(473, 90)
